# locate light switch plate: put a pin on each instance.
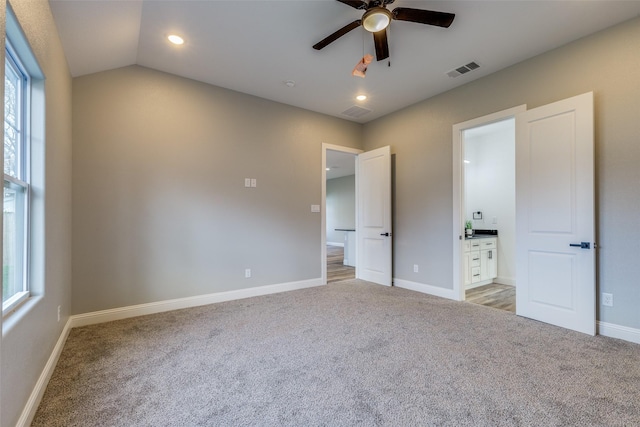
(247, 182)
(254, 182)
(315, 208)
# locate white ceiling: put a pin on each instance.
(254, 46)
(340, 164)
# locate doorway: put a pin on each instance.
(489, 214)
(345, 160)
(340, 215)
(373, 229)
(484, 199)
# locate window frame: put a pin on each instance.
(23, 178)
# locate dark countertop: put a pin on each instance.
(482, 234)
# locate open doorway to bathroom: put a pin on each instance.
(340, 215)
(488, 204)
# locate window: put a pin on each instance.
(15, 236)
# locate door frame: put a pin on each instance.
(323, 203)
(458, 189)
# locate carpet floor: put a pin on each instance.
(349, 353)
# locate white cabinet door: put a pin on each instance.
(488, 264)
(554, 212)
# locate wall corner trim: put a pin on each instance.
(426, 289)
(29, 411)
(625, 333)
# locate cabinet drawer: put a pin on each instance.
(488, 244)
(475, 245)
(475, 259)
(475, 274)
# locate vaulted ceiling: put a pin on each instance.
(256, 46)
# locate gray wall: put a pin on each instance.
(606, 63)
(160, 210)
(341, 207)
(30, 334)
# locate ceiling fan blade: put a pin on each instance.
(335, 36)
(356, 4)
(382, 46)
(429, 17)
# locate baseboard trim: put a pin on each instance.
(35, 398)
(478, 284)
(505, 280)
(426, 289)
(335, 244)
(617, 331)
(180, 303)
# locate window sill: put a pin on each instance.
(10, 305)
(12, 317)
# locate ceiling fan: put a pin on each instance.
(377, 18)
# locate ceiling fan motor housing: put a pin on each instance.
(376, 19)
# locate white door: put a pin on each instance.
(373, 230)
(555, 231)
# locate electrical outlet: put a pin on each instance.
(607, 299)
(415, 268)
(247, 273)
(59, 313)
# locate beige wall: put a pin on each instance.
(607, 63)
(30, 334)
(160, 210)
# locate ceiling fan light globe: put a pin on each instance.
(376, 19)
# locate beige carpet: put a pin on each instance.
(345, 354)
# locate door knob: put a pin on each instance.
(384, 234)
(583, 245)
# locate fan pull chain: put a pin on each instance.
(388, 38)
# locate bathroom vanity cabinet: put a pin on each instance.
(480, 261)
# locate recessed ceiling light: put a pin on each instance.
(175, 39)
(361, 97)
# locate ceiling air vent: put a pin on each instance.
(463, 69)
(356, 112)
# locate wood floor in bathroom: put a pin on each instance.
(493, 295)
(336, 270)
